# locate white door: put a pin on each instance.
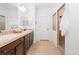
(42, 27)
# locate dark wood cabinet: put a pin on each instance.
(28, 41)
(19, 46)
(7, 49)
(5, 52)
(20, 49)
(26, 44)
(31, 38)
(11, 52)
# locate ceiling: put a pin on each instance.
(38, 5)
(7, 5)
(44, 5)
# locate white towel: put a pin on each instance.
(64, 24)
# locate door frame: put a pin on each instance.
(58, 29)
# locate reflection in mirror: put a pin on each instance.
(9, 17)
(2, 22)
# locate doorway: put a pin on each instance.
(60, 38)
(42, 24)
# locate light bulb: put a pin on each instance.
(22, 8)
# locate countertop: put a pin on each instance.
(6, 39)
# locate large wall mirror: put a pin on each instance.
(2, 22)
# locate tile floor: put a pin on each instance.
(43, 48)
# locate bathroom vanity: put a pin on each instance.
(16, 43)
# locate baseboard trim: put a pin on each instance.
(44, 40)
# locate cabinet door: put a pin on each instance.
(26, 44)
(20, 49)
(12, 52)
(31, 38)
